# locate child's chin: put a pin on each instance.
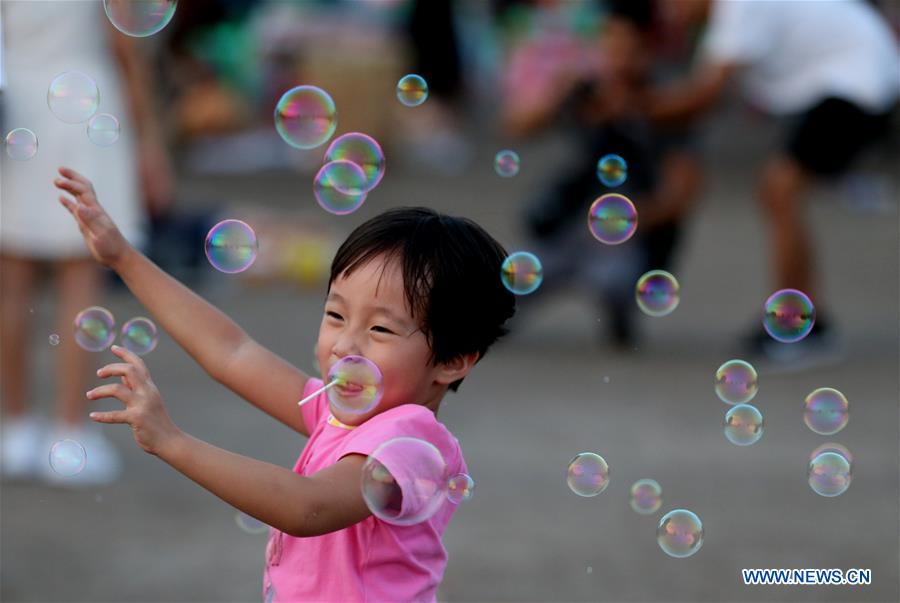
(350, 418)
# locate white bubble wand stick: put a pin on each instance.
(333, 382)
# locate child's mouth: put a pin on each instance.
(349, 389)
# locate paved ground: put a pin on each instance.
(530, 406)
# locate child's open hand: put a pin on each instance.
(145, 411)
(101, 235)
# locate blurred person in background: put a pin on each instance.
(42, 40)
(588, 87)
(831, 70)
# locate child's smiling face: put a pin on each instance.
(366, 314)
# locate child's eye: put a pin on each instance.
(380, 329)
(334, 315)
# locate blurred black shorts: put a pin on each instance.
(829, 137)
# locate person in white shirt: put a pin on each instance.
(832, 67)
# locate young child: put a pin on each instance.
(416, 292)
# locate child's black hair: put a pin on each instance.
(451, 276)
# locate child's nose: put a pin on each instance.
(346, 345)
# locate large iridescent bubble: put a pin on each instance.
(789, 315)
(736, 382)
(612, 170)
(743, 424)
(657, 293)
(826, 411)
(588, 474)
(139, 335)
(361, 150)
(612, 219)
(140, 18)
(646, 496)
(231, 246)
(67, 458)
(412, 90)
(95, 329)
(522, 272)
(305, 117)
(73, 97)
(680, 533)
(404, 481)
(339, 187)
(829, 474)
(358, 385)
(21, 144)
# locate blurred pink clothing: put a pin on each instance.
(371, 560)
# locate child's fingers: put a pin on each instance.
(131, 358)
(112, 390)
(72, 186)
(112, 416)
(73, 175)
(119, 369)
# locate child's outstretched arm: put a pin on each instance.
(215, 341)
(298, 505)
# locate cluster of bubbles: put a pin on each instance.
(140, 18)
(826, 412)
(789, 315)
(95, 330)
(231, 246)
(506, 163)
(305, 117)
(612, 170)
(354, 165)
(412, 90)
(521, 272)
(405, 481)
(356, 385)
(67, 458)
(656, 293)
(612, 219)
(588, 474)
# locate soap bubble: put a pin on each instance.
(54, 339)
(833, 447)
(139, 335)
(249, 524)
(522, 272)
(231, 246)
(612, 219)
(829, 474)
(736, 382)
(680, 533)
(140, 18)
(21, 144)
(73, 97)
(404, 481)
(67, 458)
(305, 117)
(789, 315)
(461, 487)
(361, 150)
(657, 293)
(506, 163)
(612, 170)
(588, 474)
(103, 129)
(339, 187)
(412, 90)
(826, 411)
(646, 496)
(359, 385)
(95, 329)
(743, 424)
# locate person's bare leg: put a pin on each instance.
(783, 187)
(17, 276)
(79, 287)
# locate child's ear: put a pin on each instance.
(456, 368)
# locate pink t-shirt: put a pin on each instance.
(372, 560)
